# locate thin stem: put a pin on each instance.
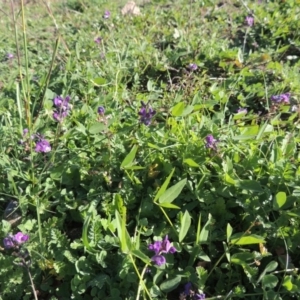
(140, 277)
(244, 43)
(167, 218)
(39, 219)
(31, 280)
(140, 286)
(27, 89)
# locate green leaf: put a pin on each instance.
(198, 230)
(170, 284)
(139, 254)
(279, 201)
(178, 109)
(173, 192)
(80, 128)
(287, 282)
(242, 257)
(164, 186)
(250, 185)
(97, 128)
(99, 81)
(229, 180)
(249, 132)
(187, 110)
(185, 225)
(191, 163)
(247, 240)
(227, 252)
(86, 223)
(129, 157)
(272, 265)
(153, 146)
(265, 128)
(205, 230)
(122, 232)
(269, 281)
(228, 232)
(168, 205)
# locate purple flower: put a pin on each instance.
(156, 247)
(62, 108)
(106, 14)
(159, 260)
(188, 291)
(193, 67)
(146, 112)
(187, 288)
(282, 98)
(101, 110)
(160, 247)
(211, 142)
(242, 110)
(12, 241)
(249, 20)
(42, 146)
(61, 102)
(199, 296)
(98, 40)
(59, 116)
(166, 246)
(8, 242)
(21, 238)
(9, 56)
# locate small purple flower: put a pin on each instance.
(166, 246)
(106, 14)
(61, 102)
(211, 142)
(242, 110)
(21, 238)
(8, 242)
(9, 56)
(62, 108)
(25, 131)
(199, 296)
(146, 112)
(160, 247)
(282, 98)
(189, 292)
(98, 40)
(187, 288)
(42, 146)
(249, 20)
(12, 241)
(101, 110)
(59, 116)
(159, 260)
(193, 67)
(156, 247)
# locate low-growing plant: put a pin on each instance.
(151, 156)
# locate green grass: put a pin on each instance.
(111, 185)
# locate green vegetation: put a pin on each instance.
(151, 156)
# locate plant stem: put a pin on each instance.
(141, 278)
(26, 90)
(31, 280)
(140, 286)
